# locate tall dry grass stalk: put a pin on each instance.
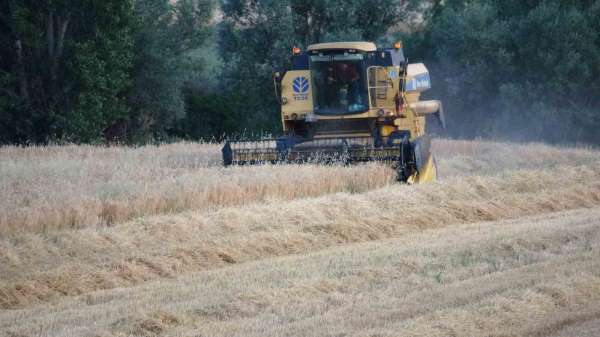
(45, 189)
(56, 188)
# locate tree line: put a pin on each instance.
(75, 70)
(136, 71)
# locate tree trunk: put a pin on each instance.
(55, 37)
(56, 31)
(22, 77)
(61, 37)
(50, 35)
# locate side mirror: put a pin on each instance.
(278, 74)
(277, 86)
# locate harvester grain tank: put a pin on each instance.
(350, 102)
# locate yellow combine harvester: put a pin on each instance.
(350, 102)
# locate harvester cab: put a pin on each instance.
(350, 102)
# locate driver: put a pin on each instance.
(348, 75)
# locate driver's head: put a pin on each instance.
(342, 66)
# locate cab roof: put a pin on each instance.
(362, 46)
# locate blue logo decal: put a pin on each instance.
(300, 85)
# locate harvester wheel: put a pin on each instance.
(401, 174)
(227, 154)
(404, 167)
(422, 150)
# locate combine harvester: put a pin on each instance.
(350, 102)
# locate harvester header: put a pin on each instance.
(349, 102)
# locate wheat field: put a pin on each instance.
(163, 241)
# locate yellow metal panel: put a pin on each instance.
(296, 90)
(413, 97)
(387, 130)
(428, 173)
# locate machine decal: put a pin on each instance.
(300, 86)
(419, 82)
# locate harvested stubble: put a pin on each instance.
(526, 277)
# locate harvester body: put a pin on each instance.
(350, 102)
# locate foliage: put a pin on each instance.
(519, 70)
(166, 33)
(255, 37)
(102, 70)
(209, 116)
(64, 67)
(71, 69)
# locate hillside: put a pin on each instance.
(164, 241)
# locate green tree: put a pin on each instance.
(64, 68)
(166, 35)
(519, 70)
(209, 116)
(102, 74)
(255, 38)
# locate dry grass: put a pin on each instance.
(193, 249)
(528, 277)
(53, 188)
(56, 188)
(40, 268)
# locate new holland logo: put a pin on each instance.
(300, 87)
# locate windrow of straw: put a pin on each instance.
(38, 268)
(537, 276)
